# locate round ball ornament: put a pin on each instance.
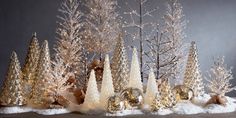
(132, 97)
(115, 104)
(183, 93)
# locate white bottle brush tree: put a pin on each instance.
(135, 75)
(152, 90)
(107, 89)
(91, 100)
(219, 78)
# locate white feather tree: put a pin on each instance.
(152, 89)
(101, 27)
(135, 75)
(91, 100)
(107, 89)
(69, 45)
(219, 78)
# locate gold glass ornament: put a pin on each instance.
(183, 92)
(114, 104)
(132, 97)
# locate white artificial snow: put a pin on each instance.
(187, 107)
(51, 111)
(12, 110)
(184, 107)
(125, 112)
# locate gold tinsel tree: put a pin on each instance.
(12, 92)
(43, 77)
(31, 62)
(167, 96)
(192, 76)
(120, 66)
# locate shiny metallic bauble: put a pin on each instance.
(132, 97)
(115, 104)
(183, 93)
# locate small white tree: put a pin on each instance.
(107, 89)
(92, 95)
(135, 75)
(219, 78)
(151, 90)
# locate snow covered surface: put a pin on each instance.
(183, 107)
(13, 110)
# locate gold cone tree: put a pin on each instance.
(120, 66)
(167, 95)
(12, 91)
(192, 77)
(43, 77)
(31, 62)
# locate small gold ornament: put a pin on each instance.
(132, 97)
(156, 104)
(115, 104)
(183, 92)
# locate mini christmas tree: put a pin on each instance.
(152, 90)
(167, 95)
(135, 76)
(12, 92)
(192, 76)
(107, 89)
(31, 62)
(92, 95)
(43, 77)
(120, 66)
(219, 78)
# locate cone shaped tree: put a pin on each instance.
(167, 95)
(43, 77)
(107, 89)
(92, 95)
(120, 66)
(192, 76)
(31, 62)
(151, 90)
(135, 75)
(12, 91)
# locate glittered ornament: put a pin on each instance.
(183, 92)
(132, 97)
(115, 104)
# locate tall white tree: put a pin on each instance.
(152, 89)
(174, 34)
(219, 78)
(192, 76)
(107, 89)
(69, 45)
(91, 100)
(139, 26)
(119, 66)
(135, 75)
(102, 26)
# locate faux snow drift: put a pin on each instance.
(183, 107)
